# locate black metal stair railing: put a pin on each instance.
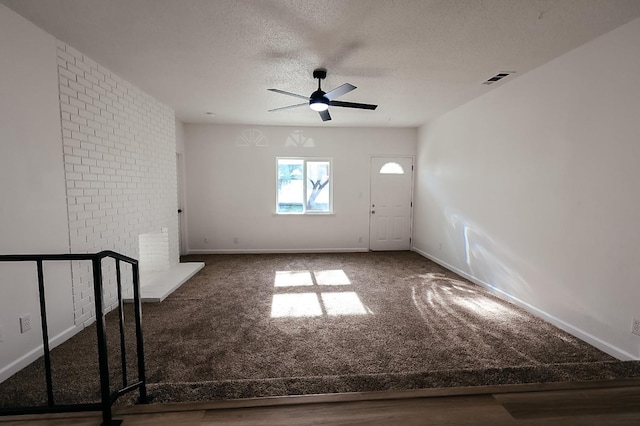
(107, 398)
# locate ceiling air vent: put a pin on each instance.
(498, 77)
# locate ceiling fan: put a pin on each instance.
(320, 101)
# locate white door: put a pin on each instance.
(390, 208)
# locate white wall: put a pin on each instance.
(33, 211)
(534, 189)
(231, 184)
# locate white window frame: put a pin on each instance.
(329, 187)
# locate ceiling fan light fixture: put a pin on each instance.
(319, 104)
(318, 101)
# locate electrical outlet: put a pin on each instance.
(359, 239)
(25, 323)
(635, 329)
(235, 240)
(206, 240)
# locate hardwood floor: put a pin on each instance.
(610, 404)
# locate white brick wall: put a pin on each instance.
(120, 163)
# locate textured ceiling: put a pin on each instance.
(415, 59)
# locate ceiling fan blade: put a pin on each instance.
(340, 90)
(288, 93)
(325, 115)
(289, 106)
(352, 105)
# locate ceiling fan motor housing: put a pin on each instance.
(320, 73)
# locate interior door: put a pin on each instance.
(181, 227)
(391, 203)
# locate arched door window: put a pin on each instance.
(391, 169)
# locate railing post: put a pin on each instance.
(123, 349)
(103, 356)
(139, 339)
(45, 334)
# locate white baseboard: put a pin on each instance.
(277, 251)
(37, 352)
(569, 328)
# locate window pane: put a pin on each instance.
(318, 199)
(290, 186)
(391, 169)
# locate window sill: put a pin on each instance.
(306, 214)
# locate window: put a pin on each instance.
(391, 169)
(304, 186)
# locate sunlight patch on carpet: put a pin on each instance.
(344, 303)
(482, 306)
(294, 304)
(332, 277)
(293, 279)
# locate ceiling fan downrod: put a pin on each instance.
(320, 74)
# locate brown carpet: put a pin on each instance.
(283, 324)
